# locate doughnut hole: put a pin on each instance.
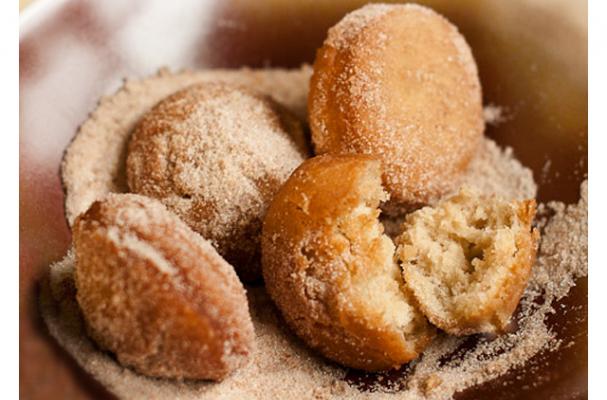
(399, 81)
(330, 268)
(156, 294)
(215, 154)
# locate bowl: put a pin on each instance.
(532, 59)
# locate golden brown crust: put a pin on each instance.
(399, 82)
(320, 264)
(157, 294)
(527, 241)
(215, 154)
(481, 295)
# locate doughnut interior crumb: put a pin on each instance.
(376, 279)
(468, 260)
(330, 269)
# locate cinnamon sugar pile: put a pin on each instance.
(563, 254)
(282, 367)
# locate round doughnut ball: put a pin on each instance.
(215, 154)
(331, 270)
(399, 82)
(156, 294)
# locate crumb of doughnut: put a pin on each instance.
(331, 270)
(494, 115)
(156, 294)
(215, 154)
(399, 82)
(430, 383)
(468, 259)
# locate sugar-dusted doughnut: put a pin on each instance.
(156, 294)
(399, 82)
(94, 163)
(215, 154)
(330, 269)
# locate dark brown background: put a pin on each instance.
(532, 58)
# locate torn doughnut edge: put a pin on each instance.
(377, 287)
(468, 259)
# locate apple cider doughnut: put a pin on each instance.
(215, 154)
(330, 269)
(399, 82)
(156, 294)
(468, 259)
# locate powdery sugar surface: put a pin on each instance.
(495, 170)
(563, 254)
(282, 367)
(216, 154)
(94, 162)
(355, 85)
(352, 24)
(249, 150)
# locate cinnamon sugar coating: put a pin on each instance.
(215, 154)
(399, 82)
(330, 269)
(156, 294)
(94, 162)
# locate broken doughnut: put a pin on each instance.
(468, 259)
(330, 269)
